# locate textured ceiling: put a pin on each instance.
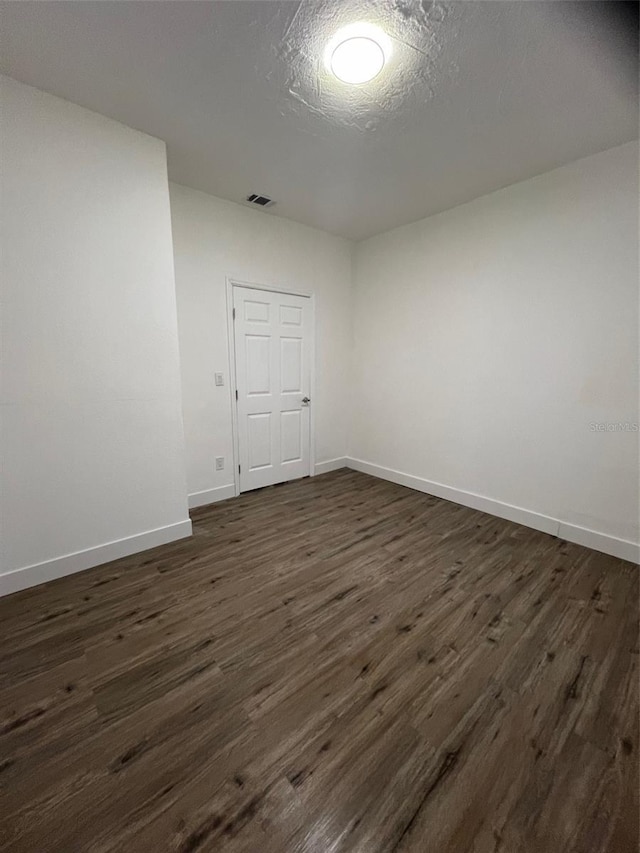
(476, 96)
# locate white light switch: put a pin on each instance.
(219, 378)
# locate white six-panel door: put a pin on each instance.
(272, 336)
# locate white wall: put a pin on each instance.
(93, 448)
(472, 356)
(489, 338)
(214, 239)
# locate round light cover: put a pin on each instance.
(357, 53)
(357, 60)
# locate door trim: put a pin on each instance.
(232, 282)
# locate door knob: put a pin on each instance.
(306, 401)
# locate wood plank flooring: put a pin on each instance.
(337, 664)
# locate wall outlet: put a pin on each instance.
(219, 378)
(219, 463)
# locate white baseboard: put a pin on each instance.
(80, 560)
(330, 465)
(621, 548)
(210, 496)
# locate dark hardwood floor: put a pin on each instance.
(336, 664)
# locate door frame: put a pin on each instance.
(232, 282)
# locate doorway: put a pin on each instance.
(272, 345)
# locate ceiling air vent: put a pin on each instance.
(260, 200)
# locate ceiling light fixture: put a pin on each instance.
(357, 53)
